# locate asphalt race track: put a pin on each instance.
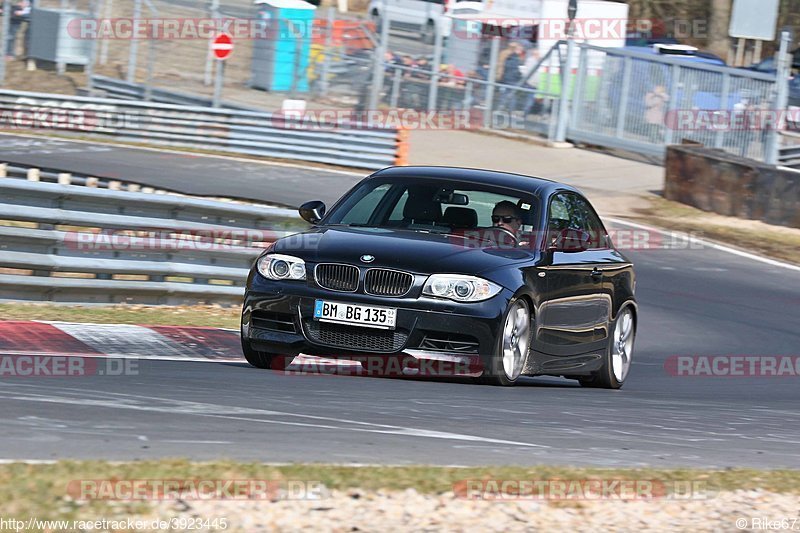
(692, 302)
(187, 173)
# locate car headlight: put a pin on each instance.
(460, 288)
(279, 266)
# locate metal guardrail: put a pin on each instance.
(223, 130)
(789, 151)
(81, 244)
(123, 90)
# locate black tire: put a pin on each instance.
(428, 34)
(606, 377)
(256, 359)
(494, 372)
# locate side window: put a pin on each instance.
(559, 216)
(361, 212)
(571, 212)
(583, 214)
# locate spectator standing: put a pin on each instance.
(655, 103)
(20, 14)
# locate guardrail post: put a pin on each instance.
(33, 174)
(64, 178)
(134, 187)
(3, 170)
(114, 185)
(91, 182)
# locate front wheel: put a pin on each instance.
(618, 356)
(513, 344)
(256, 359)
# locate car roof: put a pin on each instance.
(538, 186)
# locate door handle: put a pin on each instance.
(597, 274)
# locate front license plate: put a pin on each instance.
(355, 314)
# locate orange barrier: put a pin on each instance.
(401, 159)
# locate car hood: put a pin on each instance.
(412, 251)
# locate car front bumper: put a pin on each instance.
(457, 337)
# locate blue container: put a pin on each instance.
(281, 55)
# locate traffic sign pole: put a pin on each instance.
(222, 48)
(218, 83)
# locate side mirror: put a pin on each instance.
(312, 212)
(571, 240)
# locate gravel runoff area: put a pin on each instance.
(354, 510)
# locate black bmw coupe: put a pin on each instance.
(507, 274)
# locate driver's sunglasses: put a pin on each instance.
(506, 219)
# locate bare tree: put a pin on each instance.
(719, 19)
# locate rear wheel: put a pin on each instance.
(512, 348)
(619, 353)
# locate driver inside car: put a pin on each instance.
(508, 215)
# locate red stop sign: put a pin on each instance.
(222, 46)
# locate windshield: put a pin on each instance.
(435, 206)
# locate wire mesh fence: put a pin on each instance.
(334, 61)
(642, 103)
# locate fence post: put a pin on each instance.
(563, 104)
(623, 102)
(577, 95)
(151, 60)
(92, 51)
(781, 100)
(108, 9)
(395, 88)
(134, 49)
(673, 101)
(719, 138)
(4, 35)
(213, 12)
(493, 55)
(377, 65)
(326, 53)
(433, 91)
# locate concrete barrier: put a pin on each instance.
(722, 183)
